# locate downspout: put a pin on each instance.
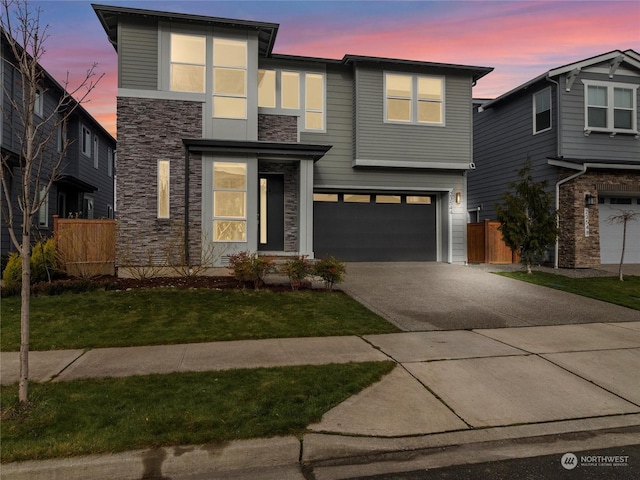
(186, 206)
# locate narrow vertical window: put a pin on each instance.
(290, 86)
(267, 88)
(542, 111)
(43, 212)
(110, 162)
(38, 106)
(314, 101)
(96, 152)
(163, 188)
(229, 78)
(263, 211)
(187, 63)
(86, 141)
(229, 202)
(87, 208)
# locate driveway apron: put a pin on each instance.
(421, 296)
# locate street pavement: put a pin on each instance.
(456, 397)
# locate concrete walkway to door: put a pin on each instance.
(417, 296)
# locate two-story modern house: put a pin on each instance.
(224, 143)
(578, 125)
(84, 186)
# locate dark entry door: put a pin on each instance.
(271, 220)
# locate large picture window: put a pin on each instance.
(542, 111)
(229, 78)
(229, 202)
(610, 107)
(188, 63)
(414, 99)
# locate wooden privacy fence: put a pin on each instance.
(85, 248)
(485, 244)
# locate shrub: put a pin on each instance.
(250, 267)
(330, 270)
(297, 269)
(44, 266)
(12, 274)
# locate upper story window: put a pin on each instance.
(229, 78)
(414, 99)
(38, 106)
(188, 63)
(96, 152)
(542, 111)
(611, 107)
(283, 90)
(110, 161)
(86, 141)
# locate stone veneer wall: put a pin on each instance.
(575, 249)
(150, 130)
(283, 128)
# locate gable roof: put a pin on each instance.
(615, 58)
(109, 17)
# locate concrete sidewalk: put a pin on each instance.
(545, 386)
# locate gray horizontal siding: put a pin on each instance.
(138, 56)
(597, 146)
(503, 140)
(377, 140)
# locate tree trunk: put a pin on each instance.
(23, 394)
(624, 240)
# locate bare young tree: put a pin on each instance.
(624, 217)
(39, 161)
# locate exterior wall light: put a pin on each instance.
(458, 198)
(589, 200)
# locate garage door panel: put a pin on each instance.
(611, 234)
(374, 231)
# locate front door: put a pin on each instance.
(271, 218)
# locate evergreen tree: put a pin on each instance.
(528, 220)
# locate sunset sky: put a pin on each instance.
(520, 39)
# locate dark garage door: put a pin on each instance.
(382, 227)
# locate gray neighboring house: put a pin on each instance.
(578, 124)
(85, 187)
(224, 144)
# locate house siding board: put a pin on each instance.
(377, 140)
(138, 56)
(596, 146)
(504, 140)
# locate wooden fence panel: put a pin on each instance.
(485, 244)
(86, 248)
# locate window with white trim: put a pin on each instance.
(43, 211)
(229, 202)
(187, 71)
(416, 99)
(96, 152)
(229, 78)
(314, 101)
(38, 106)
(542, 111)
(163, 188)
(611, 107)
(86, 141)
(88, 208)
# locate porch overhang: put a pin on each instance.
(294, 151)
(73, 182)
(587, 164)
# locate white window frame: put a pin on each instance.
(85, 146)
(43, 211)
(323, 109)
(226, 218)
(546, 91)
(96, 152)
(216, 65)
(610, 108)
(414, 99)
(160, 199)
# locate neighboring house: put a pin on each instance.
(84, 187)
(578, 125)
(226, 144)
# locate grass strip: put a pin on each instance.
(112, 415)
(607, 289)
(169, 316)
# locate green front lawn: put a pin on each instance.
(169, 316)
(607, 289)
(113, 415)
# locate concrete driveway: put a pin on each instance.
(418, 296)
